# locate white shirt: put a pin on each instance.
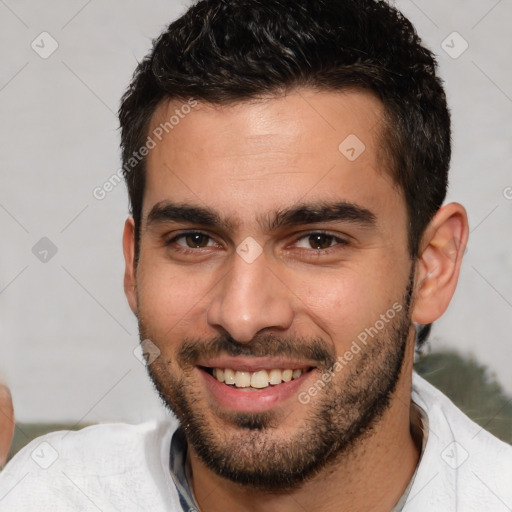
(120, 467)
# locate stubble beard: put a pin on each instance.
(248, 448)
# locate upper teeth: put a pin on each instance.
(259, 379)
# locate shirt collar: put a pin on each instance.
(180, 471)
(181, 475)
(419, 432)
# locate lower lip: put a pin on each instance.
(250, 399)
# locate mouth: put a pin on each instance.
(256, 380)
(253, 385)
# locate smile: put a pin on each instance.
(254, 384)
(260, 379)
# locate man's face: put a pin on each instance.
(270, 243)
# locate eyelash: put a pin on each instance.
(183, 234)
(311, 252)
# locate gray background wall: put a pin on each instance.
(67, 335)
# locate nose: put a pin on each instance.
(250, 298)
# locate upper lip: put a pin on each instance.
(254, 364)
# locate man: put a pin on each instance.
(287, 165)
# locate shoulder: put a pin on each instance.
(462, 463)
(117, 463)
(106, 444)
(444, 414)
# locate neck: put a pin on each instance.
(371, 477)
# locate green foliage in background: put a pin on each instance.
(471, 388)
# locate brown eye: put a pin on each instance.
(196, 240)
(320, 240)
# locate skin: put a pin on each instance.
(245, 161)
(6, 423)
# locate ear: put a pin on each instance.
(130, 266)
(441, 251)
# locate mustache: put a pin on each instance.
(265, 345)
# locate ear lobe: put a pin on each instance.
(130, 281)
(442, 249)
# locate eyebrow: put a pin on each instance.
(165, 211)
(302, 214)
(322, 212)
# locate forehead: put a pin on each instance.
(267, 153)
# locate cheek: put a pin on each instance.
(344, 303)
(339, 308)
(170, 300)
